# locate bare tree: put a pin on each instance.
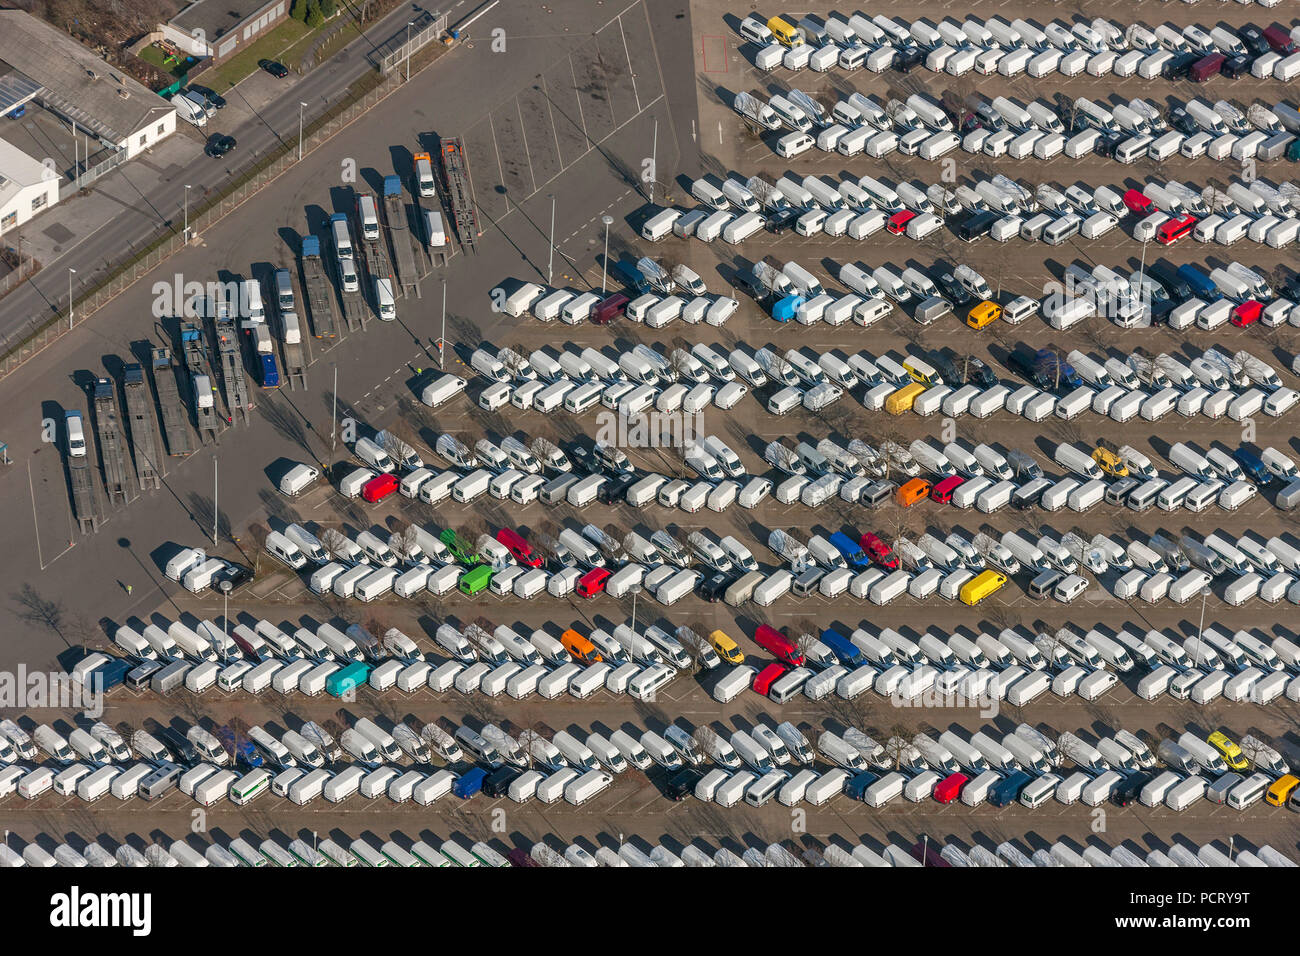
(406, 543)
(335, 543)
(898, 748)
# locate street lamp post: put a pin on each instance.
(654, 151)
(1200, 628)
(442, 339)
(550, 255)
(334, 409)
(604, 264)
(71, 311)
(187, 213)
(301, 107)
(409, 24)
(215, 511)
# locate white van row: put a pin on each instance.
(1018, 668)
(996, 46)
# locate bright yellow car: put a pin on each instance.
(1109, 462)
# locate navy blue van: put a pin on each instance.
(1201, 285)
(857, 785)
(845, 651)
(1254, 467)
(1007, 790)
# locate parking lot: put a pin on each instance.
(578, 126)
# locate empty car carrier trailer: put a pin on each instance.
(456, 176)
(109, 429)
(144, 434)
(176, 430)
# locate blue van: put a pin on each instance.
(787, 308)
(1007, 791)
(851, 550)
(845, 651)
(857, 785)
(469, 784)
(1201, 285)
(1254, 467)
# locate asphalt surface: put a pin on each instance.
(533, 134)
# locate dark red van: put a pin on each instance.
(879, 552)
(609, 309)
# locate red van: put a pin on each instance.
(879, 552)
(609, 309)
(897, 223)
(767, 677)
(1279, 38)
(1247, 313)
(949, 788)
(378, 488)
(942, 490)
(772, 640)
(593, 582)
(1171, 230)
(1206, 67)
(519, 549)
(1138, 203)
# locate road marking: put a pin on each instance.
(523, 134)
(631, 74)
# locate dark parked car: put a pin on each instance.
(276, 69)
(682, 784)
(613, 490)
(215, 99)
(219, 144)
(517, 857)
(713, 587)
(498, 782)
(1236, 66)
(782, 220)
(1126, 790)
(1182, 121)
(953, 290)
(1254, 39)
(231, 578)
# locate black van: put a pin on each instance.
(1175, 286)
(180, 747)
(497, 783)
(977, 225)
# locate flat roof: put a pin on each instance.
(215, 18)
(75, 81)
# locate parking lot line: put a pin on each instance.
(631, 73)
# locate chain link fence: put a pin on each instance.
(41, 334)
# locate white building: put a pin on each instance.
(39, 62)
(26, 187)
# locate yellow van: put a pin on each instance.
(896, 403)
(981, 586)
(984, 315)
(922, 371)
(1109, 462)
(1231, 752)
(785, 32)
(1281, 790)
(727, 649)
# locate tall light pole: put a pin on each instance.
(215, 510)
(301, 107)
(409, 24)
(334, 409)
(550, 256)
(71, 273)
(636, 591)
(604, 263)
(654, 151)
(442, 339)
(187, 213)
(1200, 628)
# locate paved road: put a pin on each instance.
(126, 208)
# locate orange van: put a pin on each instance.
(581, 649)
(918, 489)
